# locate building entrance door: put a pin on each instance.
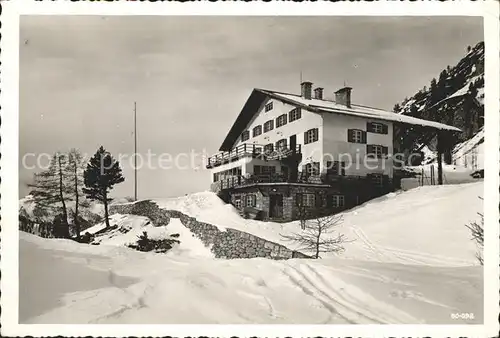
(276, 206)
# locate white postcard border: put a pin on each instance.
(10, 158)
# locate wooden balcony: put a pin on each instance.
(350, 181)
(251, 150)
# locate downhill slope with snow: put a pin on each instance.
(403, 227)
(411, 260)
(110, 284)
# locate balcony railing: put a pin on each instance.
(251, 150)
(352, 181)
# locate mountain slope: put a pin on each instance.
(456, 98)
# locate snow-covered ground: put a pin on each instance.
(467, 156)
(404, 227)
(470, 154)
(79, 283)
(452, 174)
(410, 260)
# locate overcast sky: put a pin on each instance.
(190, 76)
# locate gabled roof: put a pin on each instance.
(258, 96)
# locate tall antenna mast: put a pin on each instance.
(135, 151)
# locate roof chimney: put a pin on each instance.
(343, 96)
(318, 93)
(306, 89)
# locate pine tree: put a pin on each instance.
(433, 92)
(100, 176)
(74, 169)
(49, 190)
(397, 108)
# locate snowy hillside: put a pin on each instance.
(126, 229)
(396, 269)
(108, 284)
(403, 227)
(466, 156)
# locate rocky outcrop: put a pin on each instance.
(227, 244)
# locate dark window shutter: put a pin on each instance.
(306, 141)
(318, 200)
(385, 129)
(350, 135)
(342, 168)
(369, 126)
(329, 201)
(385, 151)
(369, 150)
(363, 137)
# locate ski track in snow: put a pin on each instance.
(339, 290)
(340, 301)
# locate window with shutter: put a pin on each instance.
(251, 200)
(310, 136)
(337, 201)
(269, 125)
(268, 148)
(356, 136)
(281, 120)
(294, 114)
(281, 144)
(375, 151)
(245, 135)
(308, 200)
(315, 168)
(376, 127)
(257, 131)
(385, 151)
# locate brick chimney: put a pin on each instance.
(343, 96)
(318, 93)
(306, 88)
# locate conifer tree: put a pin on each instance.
(49, 190)
(100, 176)
(75, 176)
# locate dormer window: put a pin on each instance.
(257, 130)
(268, 107)
(245, 136)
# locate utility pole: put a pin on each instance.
(440, 156)
(135, 151)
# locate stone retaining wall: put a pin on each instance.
(229, 244)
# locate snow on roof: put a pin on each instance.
(360, 111)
